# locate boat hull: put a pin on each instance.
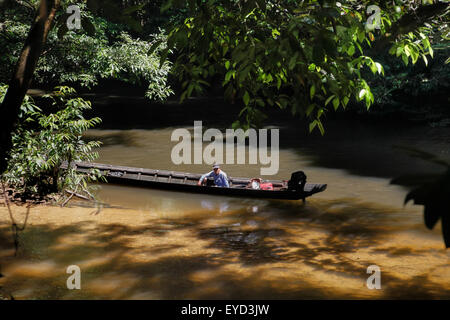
(187, 182)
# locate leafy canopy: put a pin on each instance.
(99, 50)
(308, 56)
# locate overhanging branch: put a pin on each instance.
(411, 21)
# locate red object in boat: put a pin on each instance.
(266, 186)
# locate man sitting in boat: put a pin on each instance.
(220, 177)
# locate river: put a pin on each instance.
(150, 244)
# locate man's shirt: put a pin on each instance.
(220, 179)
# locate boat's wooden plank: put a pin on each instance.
(163, 173)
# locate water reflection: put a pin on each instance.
(220, 207)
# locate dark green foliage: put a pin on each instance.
(413, 95)
(100, 50)
(44, 140)
(306, 56)
(418, 91)
(141, 17)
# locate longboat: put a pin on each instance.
(294, 189)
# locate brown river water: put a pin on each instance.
(150, 244)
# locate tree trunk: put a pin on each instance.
(20, 82)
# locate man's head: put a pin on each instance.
(216, 168)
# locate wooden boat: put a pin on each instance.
(294, 189)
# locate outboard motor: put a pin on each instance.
(297, 182)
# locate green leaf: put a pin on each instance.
(351, 50)
(189, 89)
(228, 75)
(275, 33)
(246, 98)
(345, 101)
(336, 103)
(236, 125)
(260, 102)
(183, 96)
(155, 45)
(310, 109)
(362, 93)
(321, 128)
(426, 43)
(373, 67)
(405, 59)
(379, 68)
(312, 125)
(361, 35)
(312, 91)
(392, 50)
(329, 99)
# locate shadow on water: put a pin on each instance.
(368, 149)
(125, 113)
(240, 256)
